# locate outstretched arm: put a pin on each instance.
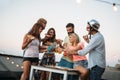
(74, 49)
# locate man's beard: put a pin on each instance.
(70, 32)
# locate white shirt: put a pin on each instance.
(66, 40)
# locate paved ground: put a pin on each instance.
(111, 74)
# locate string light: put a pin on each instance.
(21, 67)
(12, 62)
(114, 5)
(17, 65)
(8, 58)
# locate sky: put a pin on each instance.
(18, 16)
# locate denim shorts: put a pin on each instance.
(96, 73)
(83, 63)
(65, 63)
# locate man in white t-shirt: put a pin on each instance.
(70, 29)
(65, 60)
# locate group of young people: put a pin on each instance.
(74, 52)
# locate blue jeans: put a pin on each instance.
(96, 73)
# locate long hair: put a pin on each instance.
(52, 39)
(35, 30)
(54, 36)
(42, 20)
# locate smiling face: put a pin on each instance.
(51, 32)
(74, 38)
(70, 30)
(88, 28)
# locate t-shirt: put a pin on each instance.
(68, 58)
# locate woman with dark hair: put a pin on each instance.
(50, 43)
(50, 37)
(30, 46)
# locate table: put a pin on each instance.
(55, 69)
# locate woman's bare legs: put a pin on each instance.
(26, 70)
(84, 73)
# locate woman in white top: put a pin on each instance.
(30, 46)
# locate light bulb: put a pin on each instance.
(21, 67)
(17, 65)
(7, 58)
(12, 62)
(114, 7)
